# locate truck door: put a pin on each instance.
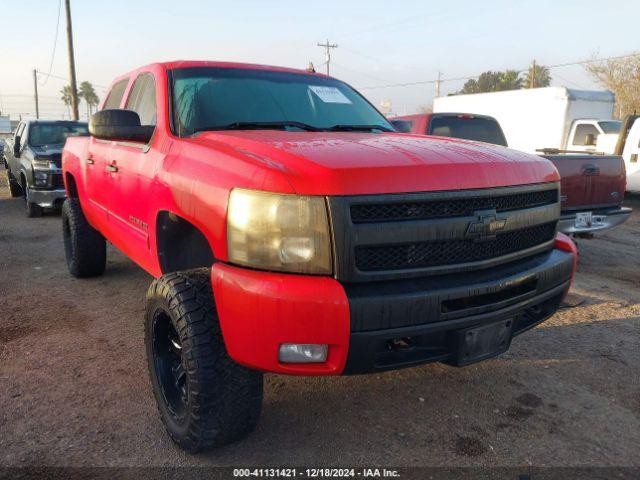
(631, 161)
(95, 167)
(131, 170)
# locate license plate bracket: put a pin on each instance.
(480, 343)
(584, 220)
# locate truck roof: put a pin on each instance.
(440, 114)
(173, 64)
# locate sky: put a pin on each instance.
(379, 42)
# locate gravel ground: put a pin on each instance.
(74, 389)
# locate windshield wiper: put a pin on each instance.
(259, 126)
(357, 128)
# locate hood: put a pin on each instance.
(349, 163)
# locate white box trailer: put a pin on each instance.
(537, 118)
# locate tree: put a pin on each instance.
(490, 81)
(510, 80)
(622, 77)
(541, 77)
(486, 82)
(88, 93)
(66, 97)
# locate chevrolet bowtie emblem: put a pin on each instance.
(485, 226)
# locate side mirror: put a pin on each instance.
(590, 139)
(122, 125)
(16, 146)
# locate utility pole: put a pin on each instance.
(327, 46)
(438, 84)
(72, 63)
(533, 75)
(35, 91)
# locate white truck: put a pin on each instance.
(545, 118)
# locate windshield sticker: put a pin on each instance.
(329, 94)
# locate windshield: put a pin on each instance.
(214, 98)
(469, 127)
(41, 134)
(611, 126)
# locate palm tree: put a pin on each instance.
(510, 80)
(541, 77)
(88, 93)
(66, 97)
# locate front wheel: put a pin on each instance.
(205, 399)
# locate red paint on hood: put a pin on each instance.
(343, 163)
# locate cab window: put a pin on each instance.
(115, 95)
(142, 99)
(469, 127)
(582, 131)
(403, 126)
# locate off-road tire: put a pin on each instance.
(14, 187)
(85, 248)
(223, 399)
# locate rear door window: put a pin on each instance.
(142, 99)
(469, 127)
(115, 95)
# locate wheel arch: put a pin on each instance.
(71, 185)
(180, 244)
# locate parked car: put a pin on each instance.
(291, 230)
(551, 117)
(34, 162)
(592, 185)
(628, 147)
(2, 157)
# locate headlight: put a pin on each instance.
(40, 178)
(288, 233)
(41, 163)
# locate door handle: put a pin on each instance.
(90, 161)
(112, 168)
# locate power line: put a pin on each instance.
(66, 79)
(558, 65)
(55, 42)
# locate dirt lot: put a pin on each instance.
(74, 388)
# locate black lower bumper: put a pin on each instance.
(404, 323)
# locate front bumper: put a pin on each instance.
(258, 311)
(47, 198)
(602, 220)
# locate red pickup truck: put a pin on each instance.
(592, 185)
(291, 230)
